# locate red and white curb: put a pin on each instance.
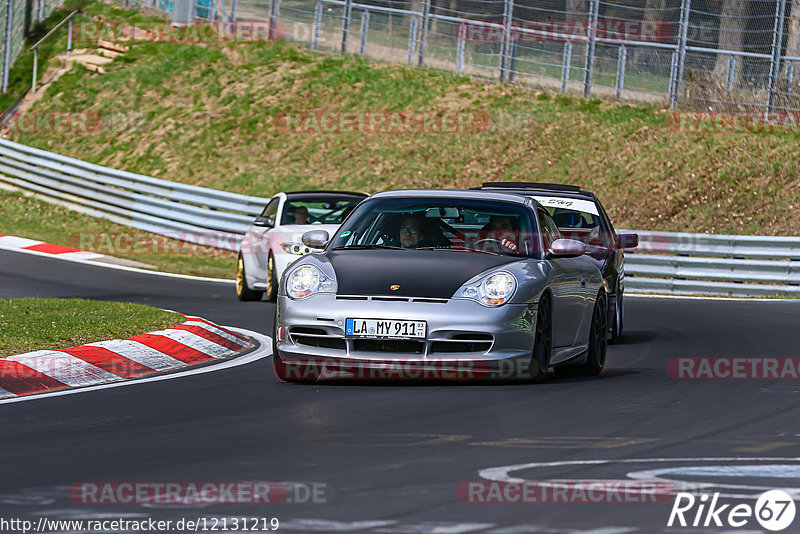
(193, 342)
(10, 242)
(32, 246)
(61, 252)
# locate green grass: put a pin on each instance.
(35, 219)
(28, 324)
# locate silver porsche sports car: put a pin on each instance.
(441, 284)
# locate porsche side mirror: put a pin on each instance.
(566, 248)
(316, 239)
(265, 221)
(627, 241)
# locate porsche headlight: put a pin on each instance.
(297, 249)
(493, 290)
(307, 280)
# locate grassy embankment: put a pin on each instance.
(29, 324)
(210, 115)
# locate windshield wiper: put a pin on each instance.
(509, 253)
(369, 247)
(461, 250)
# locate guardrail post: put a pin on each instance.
(423, 32)
(274, 10)
(775, 63)
(588, 74)
(505, 49)
(234, 5)
(512, 64)
(461, 39)
(317, 24)
(673, 71)
(686, 6)
(364, 32)
(789, 77)
(622, 57)
(412, 38)
(35, 68)
(69, 36)
(7, 51)
(730, 75)
(566, 62)
(348, 12)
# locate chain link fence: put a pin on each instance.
(737, 56)
(16, 19)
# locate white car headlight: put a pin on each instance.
(307, 280)
(493, 290)
(297, 249)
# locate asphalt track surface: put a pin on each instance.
(390, 456)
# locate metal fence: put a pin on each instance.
(677, 263)
(720, 55)
(16, 20)
(186, 212)
(726, 265)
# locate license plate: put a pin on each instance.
(386, 328)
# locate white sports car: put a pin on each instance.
(273, 241)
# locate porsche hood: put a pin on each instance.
(409, 273)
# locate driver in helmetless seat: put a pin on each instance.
(504, 230)
(301, 215)
(410, 233)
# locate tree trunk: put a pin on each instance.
(793, 28)
(577, 10)
(653, 16)
(731, 36)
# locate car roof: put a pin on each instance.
(507, 196)
(534, 188)
(311, 193)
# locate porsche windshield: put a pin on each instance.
(479, 226)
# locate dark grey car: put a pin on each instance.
(441, 284)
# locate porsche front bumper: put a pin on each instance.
(464, 339)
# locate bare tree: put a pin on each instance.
(793, 44)
(654, 13)
(577, 9)
(732, 24)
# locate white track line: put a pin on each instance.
(122, 267)
(700, 297)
